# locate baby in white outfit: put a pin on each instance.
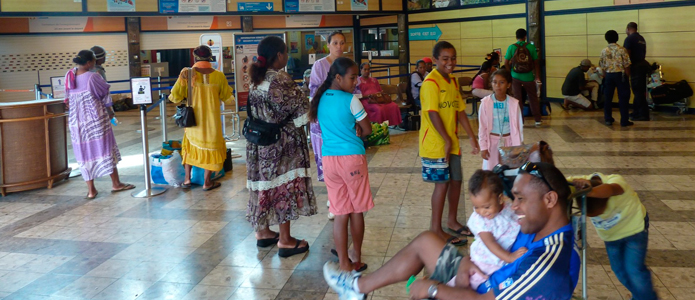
(494, 224)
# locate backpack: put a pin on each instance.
(522, 61)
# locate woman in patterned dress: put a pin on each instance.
(87, 97)
(279, 180)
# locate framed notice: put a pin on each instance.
(141, 88)
(246, 54)
(58, 87)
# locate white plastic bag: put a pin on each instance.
(173, 170)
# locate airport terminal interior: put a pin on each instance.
(61, 240)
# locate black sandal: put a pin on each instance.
(360, 269)
(460, 243)
(287, 252)
(461, 230)
(263, 243)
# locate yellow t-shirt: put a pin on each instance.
(440, 95)
(624, 214)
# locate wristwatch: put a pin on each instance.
(432, 291)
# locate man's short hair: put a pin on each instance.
(632, 25)
(557, 181)
(612, 36)
(520, 33)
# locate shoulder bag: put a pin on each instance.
(260, 132)
(184, 113)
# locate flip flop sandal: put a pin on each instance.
(214, 186)
(461, 230)
(362, 267)
(263, 243)
(185, 185)
(126, 187)
(92, 197)
(461, 242)
(287, 252)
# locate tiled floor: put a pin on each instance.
(197, 245)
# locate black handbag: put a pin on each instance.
(184, 116)
(260, 132)
(228, 166)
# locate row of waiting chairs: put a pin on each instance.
(397, 93)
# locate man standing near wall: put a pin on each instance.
(636, 47)
(521, 59)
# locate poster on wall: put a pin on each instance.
(359, 4)
(309, 41)
(141, 89)
(214, 41)
(120, 5)
(58, 87)
(245, 48)
(309, 5)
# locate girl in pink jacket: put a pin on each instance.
(500, 121)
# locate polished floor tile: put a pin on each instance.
(195, 245)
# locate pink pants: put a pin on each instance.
(494, 158)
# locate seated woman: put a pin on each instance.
(376, 112)
(481, 86)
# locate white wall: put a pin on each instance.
(23, 57)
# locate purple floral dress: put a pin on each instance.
(279, 176)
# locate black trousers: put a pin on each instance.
(638, 83)
(610, 83)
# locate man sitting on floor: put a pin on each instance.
(576, 87)
(548, 271)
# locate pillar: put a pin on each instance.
(133, 29)
(403, 52)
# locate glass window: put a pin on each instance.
(383, 41)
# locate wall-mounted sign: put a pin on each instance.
(255, 6)
(359, 4)
(295, 21)
(214, 41)
(141, 89)
(189, 22)
(120, 5)
(246, 53)
(58, 87)
(424, 34)
(309, 5)
(72, 24)
(168, 6)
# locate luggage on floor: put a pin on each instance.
(411, 122)
(167, 169)
(670, 93)
(544, 110)
(228, 166)
(198, 175)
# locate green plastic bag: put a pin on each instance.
(380, 135)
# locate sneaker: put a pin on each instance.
(538, 124)
(328, 203)
(342, 281)
(331, 216)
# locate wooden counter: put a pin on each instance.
(33, 144)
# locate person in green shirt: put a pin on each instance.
(525, 72)
(622, 222)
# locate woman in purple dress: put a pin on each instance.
(87, 97)
(319, 72)
(279, 176)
